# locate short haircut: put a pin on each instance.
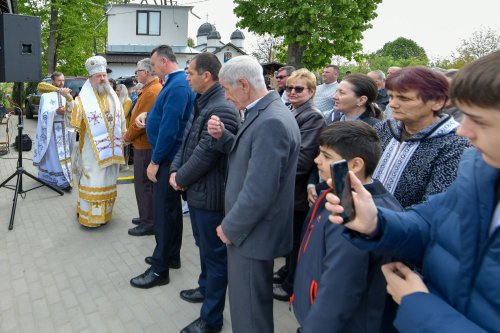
(429, 85)
(165, 51)
(54, 75)
(243, 67)
(335, 67)
(112, 82)
(379, 73)
(478, 83)
(207, 62)
(304, 74)
(450, 73)
(352, 139)
(289, 69)
(146, 65)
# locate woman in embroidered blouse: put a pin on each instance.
(421, 151)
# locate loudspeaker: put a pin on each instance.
(20, 50)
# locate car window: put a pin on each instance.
(75, 86)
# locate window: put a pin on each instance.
(148, 23)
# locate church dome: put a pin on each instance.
(237, 34)
(205, 29)
(213, 35)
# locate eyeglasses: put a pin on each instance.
(297, 89)
(139, 70)
(281, 77)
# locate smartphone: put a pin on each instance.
(342, 188)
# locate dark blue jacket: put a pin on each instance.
(200, 168)
(449, 235)
(338, 287)
(168, 117)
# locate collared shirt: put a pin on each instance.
(166, 76)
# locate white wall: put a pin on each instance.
(129, 69)
(122, 25)
(220, 54)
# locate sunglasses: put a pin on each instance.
(281, 77)
(297, 89)
(139, 70)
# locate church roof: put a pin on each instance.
(237, 34)
(205, 29)
(213, 35)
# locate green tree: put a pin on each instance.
(190, 42)
(69, 29)
(313, 30)
(480, 43)
(403, 48)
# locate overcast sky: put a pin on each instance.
(436, 25)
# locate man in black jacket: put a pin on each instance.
(200, 170)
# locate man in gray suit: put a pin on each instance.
(259, 191)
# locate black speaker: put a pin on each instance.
(20, 50)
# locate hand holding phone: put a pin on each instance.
(342, 188)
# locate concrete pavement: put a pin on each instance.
(56, 276)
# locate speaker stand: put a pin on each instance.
(20, 171)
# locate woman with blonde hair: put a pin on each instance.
(300, 88)
(122, 92)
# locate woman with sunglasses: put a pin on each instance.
(355, 98)
(300, 88)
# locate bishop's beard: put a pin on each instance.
(102, 88)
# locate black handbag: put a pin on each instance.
(26, 142)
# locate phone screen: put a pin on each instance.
(342, 188)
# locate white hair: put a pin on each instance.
(379, 73)
(145, 64)
(243, 67)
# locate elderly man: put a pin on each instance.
(324, 93)
(98, 116)
(200, 170)
(142, 149)
(165, 125)
(259, 196)
(52, 153)
(382, 97)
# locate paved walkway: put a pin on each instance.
(56, 276)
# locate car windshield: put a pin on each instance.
(75, 86)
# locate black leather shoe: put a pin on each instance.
(136, 220)
(192, 295)
(200, 326)
(172, 264)
(140, 231)
(67, 189)
(280, 294)
(149, 279)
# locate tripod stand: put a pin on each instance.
(18, 190)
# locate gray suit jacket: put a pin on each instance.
(260, 183)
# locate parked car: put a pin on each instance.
(32, 101)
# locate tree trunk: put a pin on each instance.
(52, 41)
(295, 52)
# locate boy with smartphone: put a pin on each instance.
(455, 235)
(339, 288)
